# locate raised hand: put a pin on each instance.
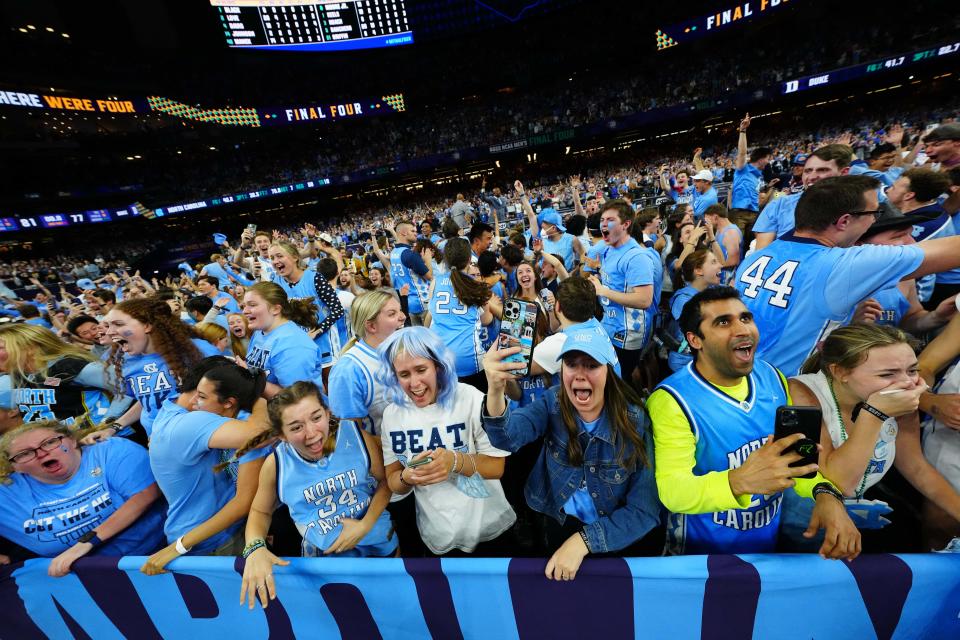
(744, 124)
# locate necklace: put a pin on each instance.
(843, 436)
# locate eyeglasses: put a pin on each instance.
(29, 454)
(874, 213)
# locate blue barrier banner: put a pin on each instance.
(708, 597)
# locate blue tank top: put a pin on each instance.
(321, 494)
(562, 247)
(457, 325)
(488, 333)
(727, 431)
(726, 275)
(306, 288)
(400, 275)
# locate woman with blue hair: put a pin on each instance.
(434, 444)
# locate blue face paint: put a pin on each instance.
(64, 449)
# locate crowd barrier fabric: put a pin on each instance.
(709, 597)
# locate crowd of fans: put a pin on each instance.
(606, 364)
(185, 167)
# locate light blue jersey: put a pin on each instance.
(778, 216)
(287, 354)
(562, 247)
(307, 289)
(321, 494)
(800, 290)
(182, 462)
(148, 379)
(656, 271)
(488, 333)
(457, 325)
(746, 188)
(727, 431)
(621, 269)
(401, 275)
(726, 274)
(594, 252)
(355, 393)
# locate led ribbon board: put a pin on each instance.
(729, 16)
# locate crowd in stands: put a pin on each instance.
(179, 167)
(605, 364)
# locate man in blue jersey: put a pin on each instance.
(704, 194)
(748, 175)
(625, 286)
(807, 283)
(719, 471)
(480, 237)
(678, 189)
(411, 270)
(207, 286)
(776, 219)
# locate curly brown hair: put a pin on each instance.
(171, 338)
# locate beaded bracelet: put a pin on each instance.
(253, 546)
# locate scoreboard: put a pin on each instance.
(312, 25)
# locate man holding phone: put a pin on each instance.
(719, 471)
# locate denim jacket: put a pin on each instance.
(626, 500)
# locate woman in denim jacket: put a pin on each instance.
(598, 484)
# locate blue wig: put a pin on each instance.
(419, 342)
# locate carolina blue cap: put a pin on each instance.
(590, 338)
(800, 160)
(86, 284)
(219, 239)
(6, 393)
(551, 216)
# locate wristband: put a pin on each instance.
(863, 406)
(257, 543)
(182, 550)
(586, 542)
(91, 537)
(826, 487)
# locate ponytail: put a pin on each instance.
(473, 293)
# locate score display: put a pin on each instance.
(317, 25)
(857, 71)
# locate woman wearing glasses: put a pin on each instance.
(63, 502)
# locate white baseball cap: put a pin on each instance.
(704, 174)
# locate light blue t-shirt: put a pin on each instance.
(47, 519)
(895, 306)
(148, 379)
(594, 252)
(778, 216)
(800, 290)
(287, 354)
(623, 268)
(677, 359)
(182, 462)
(306, 288)
(702, 201)
(746, 188)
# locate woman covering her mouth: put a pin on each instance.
(596, 437)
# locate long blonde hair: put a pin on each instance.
(239, 345)
(365, 308)
(31, 349)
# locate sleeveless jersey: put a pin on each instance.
(800, 290)
(457, 325)
(562, 247)
(306, 288)
(727, 431)
(354, 390)
(321, 494)
(57, 396)
(726, 275)
(400, 275)
(677, 359)
(488, 333)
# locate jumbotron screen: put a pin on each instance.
(314, 25)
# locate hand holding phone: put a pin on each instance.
(806, 421)
(518, 329)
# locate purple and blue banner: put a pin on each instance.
(707, 597)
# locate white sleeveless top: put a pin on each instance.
(884, 451)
